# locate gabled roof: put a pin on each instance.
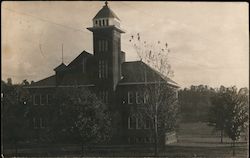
(139, 72)
(78, 59)
(61, 67)
(69, 77)
(106, 12)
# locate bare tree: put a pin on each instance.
(161, 99)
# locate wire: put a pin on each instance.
(81, 30)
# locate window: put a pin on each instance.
(42, 123)
(103, 69)
(103, 22)
(145, 98)
(43, 99)
(103, 95)
(107, 22)
(139, 123)
(38, 123)
(138, 98)
(146, 140)
(36, 99)
(102, 45)
(147, 124)
(100, 24)
(130, 98)
(131, 122)
(49, 99)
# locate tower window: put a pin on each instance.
(103, 69)
(107, 22)
(103, 45)
(100, 45)
(103, 22)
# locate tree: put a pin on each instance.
(77, 113)
(14, 109)
(217, 116)
(232, 114)
(161, 101)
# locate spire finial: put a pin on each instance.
(106, 3)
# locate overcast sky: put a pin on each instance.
(209, 42)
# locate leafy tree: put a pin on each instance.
(77, 113)
(161, 101)
(14, 110)
(231, 112)
(217, 116)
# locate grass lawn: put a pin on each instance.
(194, 140)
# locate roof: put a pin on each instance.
(138, 71)
(78, 59)
(68, 77)
(49, 81)
(106, 12)
(61, 67)
(134, 72)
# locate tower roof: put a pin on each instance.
(106, 12)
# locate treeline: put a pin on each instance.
(195, 102)
(74, 116)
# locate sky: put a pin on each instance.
(209, 41)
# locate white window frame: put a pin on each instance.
(129, 121)
(138, 98)
(130, 95)
(145, 97)
(42, 123)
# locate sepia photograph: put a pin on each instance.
(125, 79)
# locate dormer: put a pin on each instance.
(106, 17)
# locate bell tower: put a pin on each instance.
(107, 48)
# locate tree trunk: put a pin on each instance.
(221, 136)
(156, 135)
(233, 147)
(82, 149)
(16, 148)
